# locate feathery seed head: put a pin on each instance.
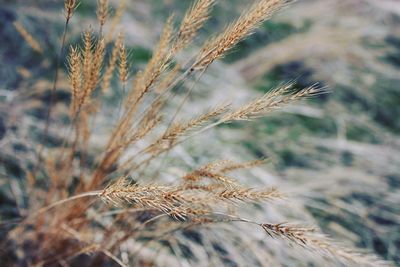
(102, 11)
(123, 64)
(30, 40)
(237, 31)
(75, 77)
(193, 20)
(69, 8)
(277, 98)
(112, 63)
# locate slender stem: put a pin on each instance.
(52, 96)
(149, 159)
(119, 211)
(229, 218)
(178, 110)
(181, 78)
(53, 90)
(119, 115)
(113, 257)
(62, 201)
(100, 31)
(186, 97)
(137, 229)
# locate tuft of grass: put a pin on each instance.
(65, 223)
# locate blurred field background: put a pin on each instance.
(338, 155)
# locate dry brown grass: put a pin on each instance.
(102, 12)
(193, 20)
(69, 8)
(29, 39)
(245, 25)
(71, 221)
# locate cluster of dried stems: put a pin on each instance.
(64, 227)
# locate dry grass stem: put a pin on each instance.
(102, 11)
(69, 8)
(29, 39)
(158, 63)
(112, 63)
(310, 239)
(75, 76)
(123, 65)
(179, 129)
(181, 201)
(116, 20)
(237, 31)
(270, 101)
(193, 20)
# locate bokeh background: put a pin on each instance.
(338, 155)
